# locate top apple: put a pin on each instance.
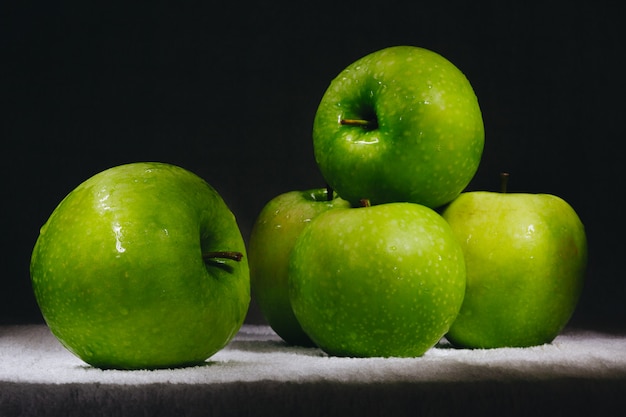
(400, 124)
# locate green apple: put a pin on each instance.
(400, 124)
(142, 266)
(380, 281)
(272, 238)
(526, 257)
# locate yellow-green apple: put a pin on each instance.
(386, 280)
(272, 238)
(526, 257)
(142, 266)
(400, 124)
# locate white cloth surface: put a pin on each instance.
(31, 354)
(257, 366)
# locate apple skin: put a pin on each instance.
(119, 274)
(429, 137)
(526, 257)
(273, 235)
(379, 281)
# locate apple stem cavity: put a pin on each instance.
(365, 202)
(504, 181)
(364, 123)
(233, 256)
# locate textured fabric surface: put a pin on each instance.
(580, 373)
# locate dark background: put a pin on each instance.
(229, 91)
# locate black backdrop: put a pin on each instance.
(229, 91)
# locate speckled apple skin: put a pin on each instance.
(430, 134)
(272, 238)
(119, 275)
(526, 257)
(380, 281)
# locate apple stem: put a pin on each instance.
(329, 193)
(369, 124)
(504, 181)
(365, 202)
(233, 256)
